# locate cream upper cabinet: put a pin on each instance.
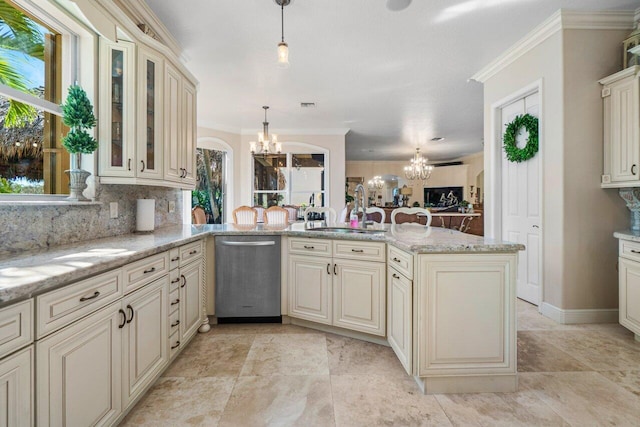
(117, 109)
(79, 372)
(310, 280)
(145, 337)
(17, 389)
(621, 98)
(190, 301)
(179, 128)
(149, 162)
(359, 296)
(400, 317)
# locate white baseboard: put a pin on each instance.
(568, 317)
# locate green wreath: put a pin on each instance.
(515, 154)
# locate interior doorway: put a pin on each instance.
(521, 202)
(209, 193)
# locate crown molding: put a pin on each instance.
(560, 20)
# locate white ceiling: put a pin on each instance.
(395, 79)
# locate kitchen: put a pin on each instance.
(121, 310)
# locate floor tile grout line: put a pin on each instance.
(444, 411)
(616, 384)
(543, 401)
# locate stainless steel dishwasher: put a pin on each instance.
(248, 278)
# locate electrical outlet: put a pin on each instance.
(172, 206)
(113, 210)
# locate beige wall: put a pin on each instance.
(578, 217)
(475, 166)
(239, 189)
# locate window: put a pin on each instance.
(32, 159)
(289, 179)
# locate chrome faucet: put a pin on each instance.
(363, 193)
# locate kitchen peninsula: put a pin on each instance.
(444, 301)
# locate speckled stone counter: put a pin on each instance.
(33, 273)
(627, 235)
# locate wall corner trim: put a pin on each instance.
(570, 317)
(560, 20)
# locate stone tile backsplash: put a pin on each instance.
(25, 227)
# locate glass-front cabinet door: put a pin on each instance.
(117, 112)
(149, 128)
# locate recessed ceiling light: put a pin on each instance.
(437, 138)
(307, 105)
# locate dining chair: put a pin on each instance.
(245, 215)
(343, 214)
(198, 215)
(411, 215)
(260, 211)
(293, 212)
(329, 214)
(373, 210)
(276, 215)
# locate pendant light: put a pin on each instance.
(265, 140)
(283, 48)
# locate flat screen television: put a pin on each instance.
(443, 196)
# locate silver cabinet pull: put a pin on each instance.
(151, 270)
(177, 344)
(267, 243)
(95, 295)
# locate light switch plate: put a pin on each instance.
(113, 210)
(172, 206)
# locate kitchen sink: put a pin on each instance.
(346, 230)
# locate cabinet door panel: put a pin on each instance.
(145, 337)
(359, 296)
(189, 133)
(79, 372)
(310, 281)
(172, 125)
(149, 148)
(190, 306)
(16, 389)
(630, 295)
(400, 317)
(625, 154)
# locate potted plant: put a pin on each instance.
(77, 114)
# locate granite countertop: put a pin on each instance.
(34, 273)
(627, 235)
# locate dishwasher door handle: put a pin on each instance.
(262, 243)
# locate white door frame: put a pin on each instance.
(493, 168)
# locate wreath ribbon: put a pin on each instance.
(515, 154)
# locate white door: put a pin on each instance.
(521, 219)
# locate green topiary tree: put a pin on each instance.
(78, 115)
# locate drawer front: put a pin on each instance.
(401, 261)
(630, 250)
(63, 306)
(174, 258)
(139, 273)
(174, 280)
(174, 322)
(16, 327)
(174, 300)
(366, 251)
(319, 247)
(190, 252)
(174, 344)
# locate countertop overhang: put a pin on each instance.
(31, 273)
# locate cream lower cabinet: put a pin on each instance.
(400, 317)
(466, 329)
(629, 295)
(144, 342)
(79, 372)
(16, 389)
(346, 290)
(190, 301)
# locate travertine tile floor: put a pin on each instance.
(280, 375)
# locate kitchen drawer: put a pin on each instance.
(401, 261)
(174, 322)
(174, 300)
(68, 304)
(366, 251)
(320, 247)
(190, 252)
(174, 280)
(139, 273)
(174, 344)
(16, 327)
(174, 258)
(630, 250)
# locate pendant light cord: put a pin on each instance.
(282, 19)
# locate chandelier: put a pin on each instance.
(267, 144)
(376, 183)
(418, 168)
(283, 48)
